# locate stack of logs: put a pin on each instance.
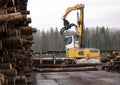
(15, 42)
(113, 62)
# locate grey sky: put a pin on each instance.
(48, 13)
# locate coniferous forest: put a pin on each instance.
(99, 37)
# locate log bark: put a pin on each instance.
(65, 69)
(11, 81)
(1, 45)
(25, 12)
(28, 30)
(12, 17)
(62, 65)
(30, 37)
(2, 79)
(13, 32)
(20, 80)
(8, 10)
(14, 42)
(6, 66)
(1, 59)
(2, 3)
(9, 72)
(2, 29)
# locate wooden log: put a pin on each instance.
(26, 42)
(13, 32)
(61, 65)
(30, 37)
(17, 41)
(20, 80)
(28, 20)
(8, 10)
(25, 1)
(11, 3)
(13, 60)
(12, 17)
(11, 10)
(117, 66)
(25, 12)
(6, 81)
(2, 28)
(6, 66)
(1, 83)
(11, 80)
(30, 80)
(104, 59)
(2, 3)
(111, 57)
(2, 79)
(9, 72)
(28, 30)
(3, 11)
(116, 62)
(116, 53)
(16, 55)
(31, 77)
(117, 58)
(28, 45)
(6, 59)
(1, 59)
(14, 42)
(20, 51)
(65, 69)
(1, 45)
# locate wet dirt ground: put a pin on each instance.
(78, 78)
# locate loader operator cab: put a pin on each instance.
(72, 41)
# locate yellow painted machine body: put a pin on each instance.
(82, 53)
(74, 48)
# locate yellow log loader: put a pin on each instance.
(73, 43)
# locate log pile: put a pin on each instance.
(15, 42)
(113, 63)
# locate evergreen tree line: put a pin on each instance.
(48, 41)
(99, 37)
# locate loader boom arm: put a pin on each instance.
(80, 20)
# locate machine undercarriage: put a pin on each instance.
(53, 63)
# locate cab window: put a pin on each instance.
(76, 37)
(94, 51)
(68, 40)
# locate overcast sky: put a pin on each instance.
(48, 13)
